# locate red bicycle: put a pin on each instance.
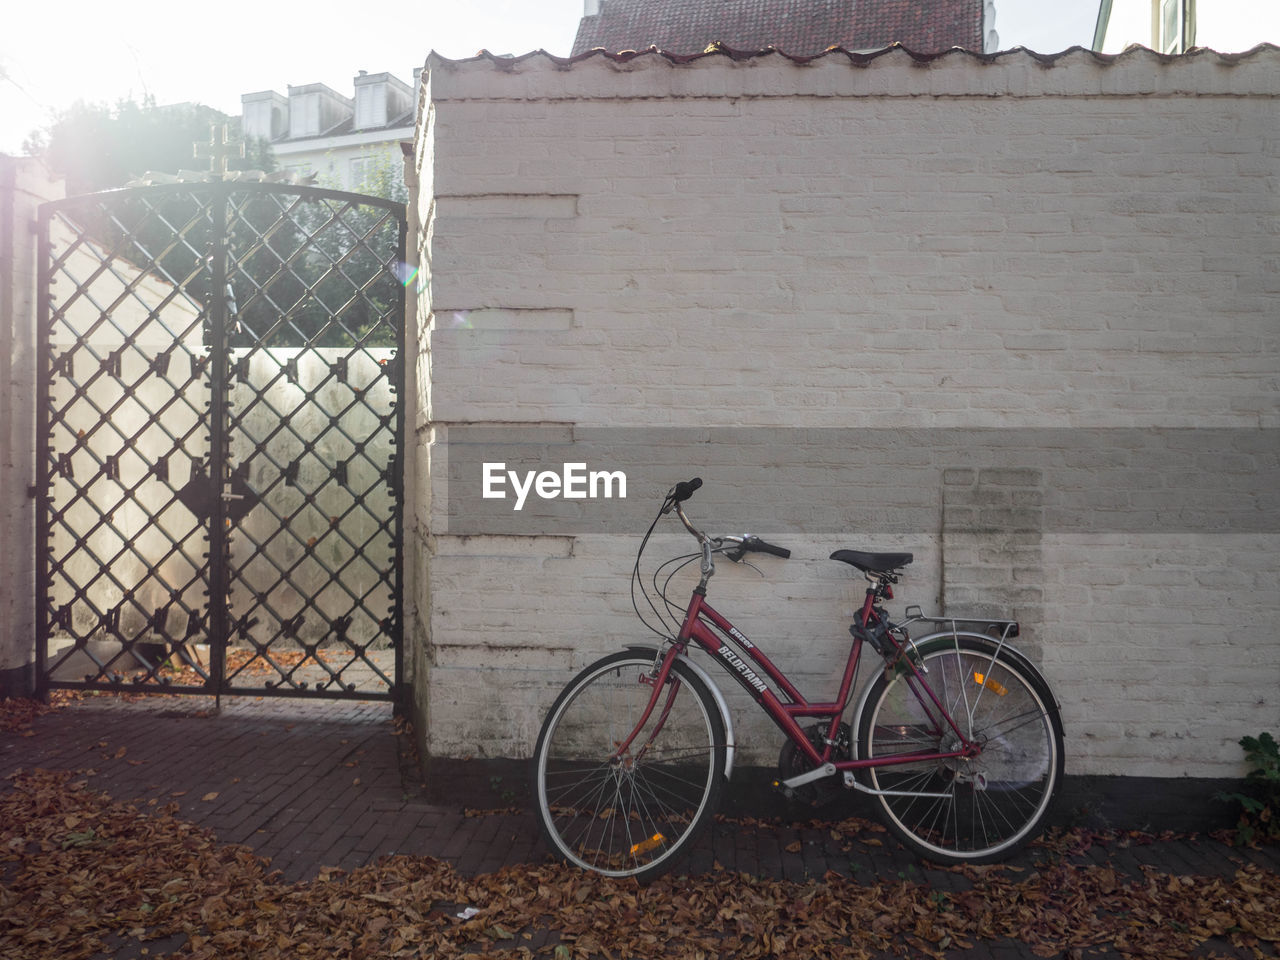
(958, 737)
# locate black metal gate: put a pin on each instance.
(219, 492)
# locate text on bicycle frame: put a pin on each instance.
(738, 664)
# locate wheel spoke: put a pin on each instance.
(627, 815)
(997, 798)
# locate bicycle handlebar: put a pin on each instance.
(761, 546)
(683, 490)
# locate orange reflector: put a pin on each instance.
(991, 684)
(644, 846)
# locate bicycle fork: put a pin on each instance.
(658, 682)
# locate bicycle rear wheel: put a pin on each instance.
(630, 814)
(965, 810)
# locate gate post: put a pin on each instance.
(24, 185)
(219, 449)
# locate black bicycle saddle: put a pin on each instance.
(872, 562)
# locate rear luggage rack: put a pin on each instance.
(1004, 629)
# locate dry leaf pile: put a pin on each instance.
(18, 713)
(83, 873)
(244, 662)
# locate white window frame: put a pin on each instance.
(304, 115)
(359, 169)
(1172, 43)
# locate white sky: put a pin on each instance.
(51, 56)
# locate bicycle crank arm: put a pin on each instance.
(817, 773)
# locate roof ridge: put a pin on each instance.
(858, 58)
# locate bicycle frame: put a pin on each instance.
(726, 644)
(785, 714)
(715, 634)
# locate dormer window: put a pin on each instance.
(371, 106)
(265, 114)
(304, 115)
(381, 99)
(315, 110)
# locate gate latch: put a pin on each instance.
(198, 496)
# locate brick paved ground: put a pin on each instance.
(311, 784)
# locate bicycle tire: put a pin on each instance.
(634, 816)
(992, 804)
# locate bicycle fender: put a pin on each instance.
(942, 639)
(721, 704)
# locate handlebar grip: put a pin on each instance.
(761, 546)
(683, 490)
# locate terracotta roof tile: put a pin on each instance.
(801, 28)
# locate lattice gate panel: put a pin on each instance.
(221, 497)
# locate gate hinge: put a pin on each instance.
(32, 491)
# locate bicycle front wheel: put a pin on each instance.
(964, 810)
(628, 811)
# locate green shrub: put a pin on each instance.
(1260, 806)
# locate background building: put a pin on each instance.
(795, 27)
(1175, 26)
(349, 143)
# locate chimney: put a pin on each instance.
(591, 8)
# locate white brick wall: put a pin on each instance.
(1086, 243)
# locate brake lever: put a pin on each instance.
(737, 555)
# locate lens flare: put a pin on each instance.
(407, 274)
